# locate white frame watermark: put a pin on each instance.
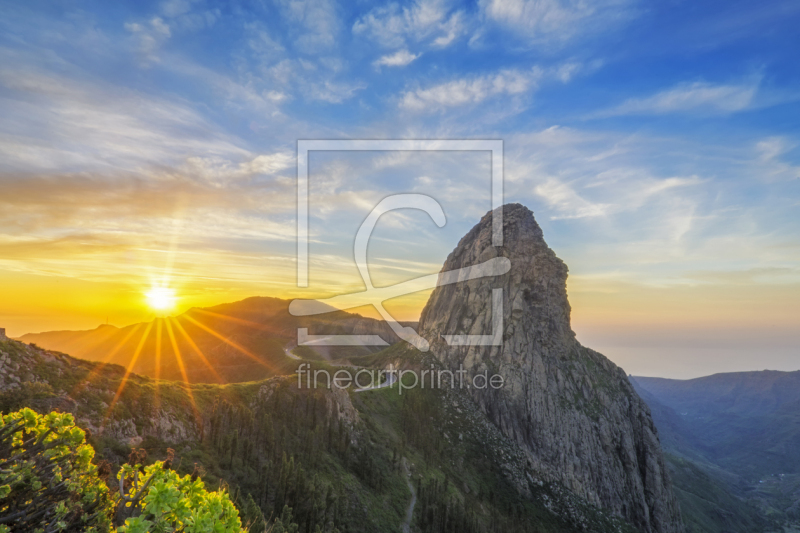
(377, 296)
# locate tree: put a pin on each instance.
(285, 524)
(47, 479)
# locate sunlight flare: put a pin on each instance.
(161, 298)
(197, 350)
(229, 342)
(128, 371)
(179, 358)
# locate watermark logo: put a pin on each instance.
(375, 296)
(366, 379)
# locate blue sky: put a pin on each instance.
(656, 143)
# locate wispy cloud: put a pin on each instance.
(430, 21)
(334, 92)
(401, 58)
(690, 97)
(472, 90)
(150, 36)
(772, 161)
(552, 22)
(74, 124)
(563, 198)
(316, 24)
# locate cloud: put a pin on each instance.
(562, 197)
(610, 199)
(90, 225)
(473, 90)
(401, 58)
(222, 172)
(429, 21)
(771, 165)
(334, 92)
(567, 71)
(597, 188)
(697, 96)
(57, 123)
(181, 14)
(267, 69)
(317, 23)
(438, 23)
(150, 37)
(555, 21)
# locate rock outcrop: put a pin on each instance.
(572, 410)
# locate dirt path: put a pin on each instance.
(412, 503)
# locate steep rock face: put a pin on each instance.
(572, 410)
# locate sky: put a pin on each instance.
(148, 144)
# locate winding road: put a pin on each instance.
(288, 352)
(391, 375)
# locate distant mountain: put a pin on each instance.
(747, 422)
(233, 342)
(733, 445)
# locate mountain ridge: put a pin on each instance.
(736, 435)
(228, 342)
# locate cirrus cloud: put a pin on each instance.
(702, 96)
(471, 90)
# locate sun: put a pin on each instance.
(161, 298)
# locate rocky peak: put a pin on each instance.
(535, 286)
(572, 410)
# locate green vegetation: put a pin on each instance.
(708, 505)
(47, 479)
(730, 444)
(154, 498)
(304, 460)
(48, 483)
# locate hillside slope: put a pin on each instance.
(735, 436)
(227, 343)
(713, 500)
(748, 422)
(341, 461)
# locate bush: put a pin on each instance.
(155, 498)
(48, 483)
(47, 479)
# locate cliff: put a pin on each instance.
(573, 411)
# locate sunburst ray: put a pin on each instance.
(159, 328)
(244, 322)
(229, 342)
(102, 364)
(198, 351)
(129, 369)
(182, 368)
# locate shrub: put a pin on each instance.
(155, 498)
(47, 479)
(48, 483)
